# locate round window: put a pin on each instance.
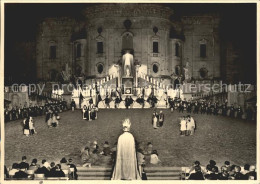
(203, 72)
(155, 68)
(100, 68)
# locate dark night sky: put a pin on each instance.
(238, 25)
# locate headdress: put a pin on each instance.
(126, 123)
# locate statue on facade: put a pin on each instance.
(65, 73)
(187, 72)
(127, 64)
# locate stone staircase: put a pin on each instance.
(153, 173)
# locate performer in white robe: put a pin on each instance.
(128, 64)
(126, 162)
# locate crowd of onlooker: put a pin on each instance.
(225, 172)
(24, 170)
(146, 156)
(22, 112)
(210, 108)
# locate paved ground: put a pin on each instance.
(218, 138)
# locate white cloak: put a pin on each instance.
(126, 162)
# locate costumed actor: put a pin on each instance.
(126, 162)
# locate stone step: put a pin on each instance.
(163, 174)
(147, 169)
(153, 173)
(164, 178)
(94, 169)
(90, 173)
(149, 178)
(94, 178)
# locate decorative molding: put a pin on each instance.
(197, 20)
(129, 10)
(203, 41)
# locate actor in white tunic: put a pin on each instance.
(128, 64)
(192, 125)
(183, 127)
(126, 162)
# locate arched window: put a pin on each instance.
(203, 50)
(52, 50)
(78, 50)
(127, 41)
(100, 43)
(100, 68)
(177, 70)
(155, 47)
(155, 68)
(203, 47)
(177, 49)
(100, 47)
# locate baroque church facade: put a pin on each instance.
(161, 46)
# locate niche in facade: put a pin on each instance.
(127, 41)
(203, 73)
(177, 70)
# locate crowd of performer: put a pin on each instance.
(208, 107)
(157, 119)
(201, 106)
(22, 112)
(187, 125)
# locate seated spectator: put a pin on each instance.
(232, 170)
(197, 175)
(15, 168)
(196, 163)
(149, 148)
(6, 172)
(140, 160)
(24, 164)
(58, 171)
(52, 170)
(140, 157)
(54, 122)
(251, 175)
(34, 166)
(88, 157)
(226, 167)
(94, 147)
(85, 154)
(64, 165)
(73, 174)
(21, 174)
(237, 174)
(154, 158)
(44, 169)
(212, 164)
(106, 149)
(113, 150)
(213, 174)
(223, 175)
(246, 169)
